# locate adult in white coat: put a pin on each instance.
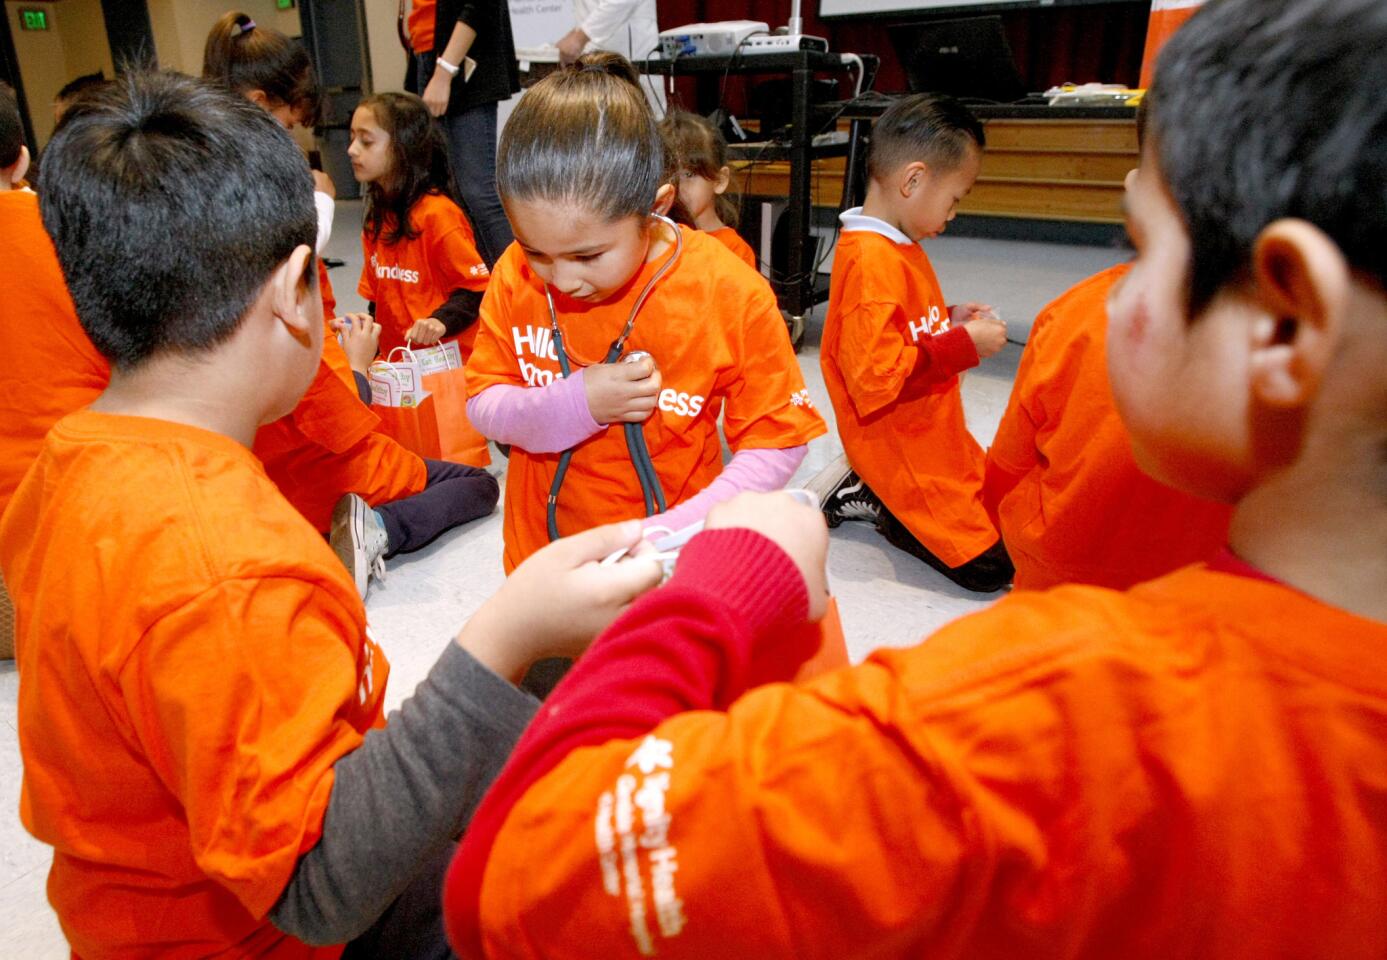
(627, 27)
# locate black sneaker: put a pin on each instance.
(843, 495)
(988, 572)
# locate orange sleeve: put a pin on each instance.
(453, 253)
(768, 405)
(874, 355)
(493, 357)
(246, 746)
(734, 833)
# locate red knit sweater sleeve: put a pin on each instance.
(724, 623)
(944, 355)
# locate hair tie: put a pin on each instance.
(244, 28)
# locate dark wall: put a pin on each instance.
(1051, 45)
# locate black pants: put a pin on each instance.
(412, 927)
(988, 571)
(455, 493)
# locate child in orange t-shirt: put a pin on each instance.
(200, 703)
(893, 350)
(1072, 505)
(421, 270)
(581, 173)
(697, 152)
(1192, 768)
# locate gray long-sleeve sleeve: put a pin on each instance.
(398, 799)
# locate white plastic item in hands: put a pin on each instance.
(667, 547)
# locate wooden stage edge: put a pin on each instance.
(1064, 170)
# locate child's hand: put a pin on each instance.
(963, 312)
(426, 332)
(360, 339)
(989, 334)
(622, 392)
(559, 599)
(797, 529)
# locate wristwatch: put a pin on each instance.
(451, 68)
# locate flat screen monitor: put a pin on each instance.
(969, 59)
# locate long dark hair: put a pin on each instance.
(418, 165)
(247, 57)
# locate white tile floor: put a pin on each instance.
(886, 597)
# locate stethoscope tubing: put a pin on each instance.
(651, 491)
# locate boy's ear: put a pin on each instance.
(20, 167)
(723, 181)
(911, 177)
(259, 98)
(294, 292)
(1302, 282)
(664, 199)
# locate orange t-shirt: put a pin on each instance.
(733, 241)
(50, 367)
(1192, 769)
(420, 25)
(722, 349)
(1080, 509)
(325, 290)
(409, 280)
(187, 681)
(904, 436)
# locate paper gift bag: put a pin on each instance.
(457, 438)
(442, 366)
(406, 410)
(413, 427)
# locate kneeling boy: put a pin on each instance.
(893, 349)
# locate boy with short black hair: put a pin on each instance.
(1196, 767)
(893, 350)
(200, 704)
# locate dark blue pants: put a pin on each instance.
(454, 494)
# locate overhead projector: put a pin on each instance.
(708, 39)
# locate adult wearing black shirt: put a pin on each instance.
(479, 29)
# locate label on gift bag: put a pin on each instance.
(397, 383)
(438, 358)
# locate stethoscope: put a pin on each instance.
(635, 438)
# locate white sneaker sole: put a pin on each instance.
(348, 538)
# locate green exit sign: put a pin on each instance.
(284, 4)
(33, 19)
